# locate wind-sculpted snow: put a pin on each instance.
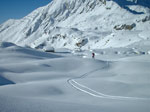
(35, 81)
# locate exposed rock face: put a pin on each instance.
(125, 27)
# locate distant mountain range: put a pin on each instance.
(84, 24)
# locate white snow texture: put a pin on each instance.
(68, 79)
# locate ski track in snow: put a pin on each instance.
(95, 93)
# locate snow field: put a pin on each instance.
(46, 81)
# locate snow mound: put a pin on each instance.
(44, 81)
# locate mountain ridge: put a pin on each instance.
(79, 24)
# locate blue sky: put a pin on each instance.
(15, 9)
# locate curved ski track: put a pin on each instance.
(94, 93)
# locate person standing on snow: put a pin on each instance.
(93, 55)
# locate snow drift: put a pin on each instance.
(35, 81)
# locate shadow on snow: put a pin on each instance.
(124, 4)
(4, 81)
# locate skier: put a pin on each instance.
(93, 55)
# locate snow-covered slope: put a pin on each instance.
(85, 24)
(34, 81)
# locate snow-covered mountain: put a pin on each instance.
(115, 79)
(86, 24)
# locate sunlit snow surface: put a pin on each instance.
(69, 80)
(34, 81)
(65, 23)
